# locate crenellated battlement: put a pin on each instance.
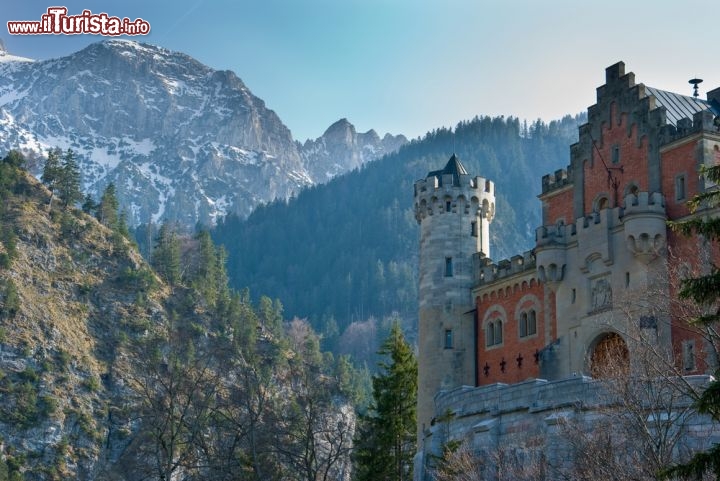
(485, 271)
(433, 186)
(557, 180)
(562, 234)
(472, 197)
(642, 218)
(703, 121)
(644, 203)
(604, 219)
(449, 182)
(550, 251)
(644, 222)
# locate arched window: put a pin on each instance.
(603, 203)
(532, 323)
(632, 188)
(523, 324)
(528, 323)
(492, 326)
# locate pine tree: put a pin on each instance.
(11, 176)
(89, 205)
(166, 255)
(122, 226)
(205, 277)
(270, 314)
(704, 290)
(51, 172)
(107, 211)
(68, 180)
(386, 441)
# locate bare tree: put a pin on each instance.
(313, 422)
(175, 394)
(646, 407)
(524, 460)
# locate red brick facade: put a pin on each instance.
(514, 358)
(557, 207)
(680, 179)
(624, 155)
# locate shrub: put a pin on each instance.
(141, 279)
(29, 375)
(63, 359)
(9, 299)
(5, 260)
(48, 406)
(92, 384)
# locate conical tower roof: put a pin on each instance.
(454, 167)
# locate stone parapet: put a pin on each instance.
(530, 418)
(485, 271)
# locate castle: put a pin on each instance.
(556, 312)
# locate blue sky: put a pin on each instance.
(406, 66)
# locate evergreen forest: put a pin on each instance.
(345, 252)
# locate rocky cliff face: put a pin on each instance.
(341, 148)
(180, 140)
(71, 299)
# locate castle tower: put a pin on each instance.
(454, 212)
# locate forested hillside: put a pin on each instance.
(347, 250)
(114, 369)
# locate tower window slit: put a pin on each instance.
(448, 339)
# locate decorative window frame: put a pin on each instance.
(496, 319)
(527, 305)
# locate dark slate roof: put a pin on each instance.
(679, 106)
(454, 167)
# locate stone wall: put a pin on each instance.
(535, 420)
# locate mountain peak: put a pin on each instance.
(342, 125)
(126, 44)
(341, 148)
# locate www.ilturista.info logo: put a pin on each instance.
(57, 22)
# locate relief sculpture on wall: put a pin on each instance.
(601, 295)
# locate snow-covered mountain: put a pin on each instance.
(180, 140)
